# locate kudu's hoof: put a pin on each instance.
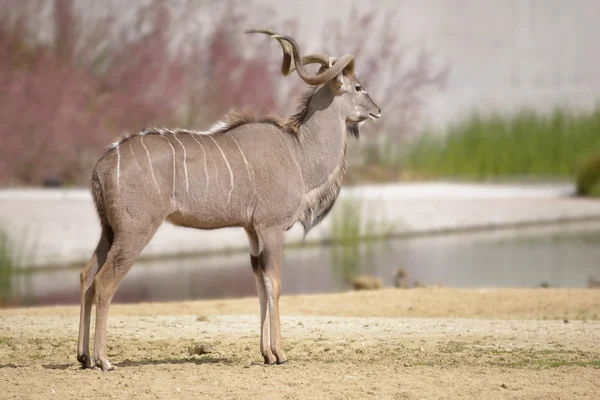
(105, 365)
(275, 361)
(281, 358)
(85, 360)
(270, 360)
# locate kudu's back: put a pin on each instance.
(242, 176)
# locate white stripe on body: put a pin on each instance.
(205, 166)
(118, 168)
(248, 167)
(173, 150)
(151, 168)
(228, 166)
(187, 182)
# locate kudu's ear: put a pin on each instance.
(338, 81)
(344, 75)
(342, 82)
(349, 69)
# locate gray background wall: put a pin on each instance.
(504, 54)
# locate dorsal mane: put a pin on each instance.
(243, 116)
(294, 122)
(248, 115)
(237, 118)
(234, 119)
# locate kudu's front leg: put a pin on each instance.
(257, 270)
(270, 258)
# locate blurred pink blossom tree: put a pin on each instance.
(63, 99)
(71, 81)
(62, 102)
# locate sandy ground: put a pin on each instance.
(400, 344)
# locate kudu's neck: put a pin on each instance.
(323, 139)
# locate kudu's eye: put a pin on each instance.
(359, 88)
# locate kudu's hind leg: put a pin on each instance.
(265, 331)
(270, 258)
(123, 253)
(87, 298)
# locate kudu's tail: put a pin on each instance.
(97, 194)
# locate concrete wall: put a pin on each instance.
(504, 54)
(56, 227)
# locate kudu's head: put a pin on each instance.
(337, 73)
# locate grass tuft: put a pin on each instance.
(13, 256)
(528, 144)
(7, 268)
(588, 177)
(353, 237)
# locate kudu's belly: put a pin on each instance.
(213, 211)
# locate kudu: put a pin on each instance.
(261, 174)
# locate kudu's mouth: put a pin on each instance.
(375, 116)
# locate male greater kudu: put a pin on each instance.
(263, 174)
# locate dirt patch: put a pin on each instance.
(540, 343)
(391, 303)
